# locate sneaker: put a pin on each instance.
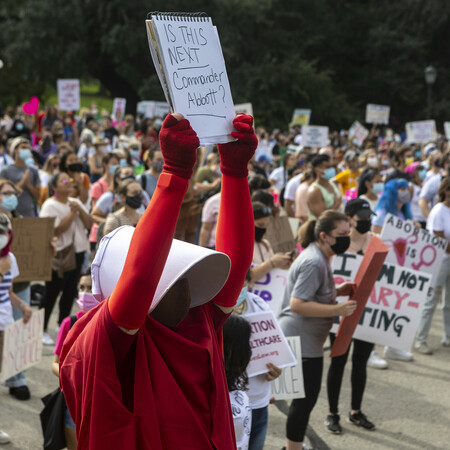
(21, 392)
(47, 340)
(422, 347)
(376, 361)
(361, 420)
(395, 353)
(4, 438)
(332, 423)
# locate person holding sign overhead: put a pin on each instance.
(308, 308)
(137, 380)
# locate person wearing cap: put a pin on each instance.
(134, 380)
(349, 178)
(359, 213)
(26, 178)
(8, 271)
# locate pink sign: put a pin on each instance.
(69, 95)
(31, 107)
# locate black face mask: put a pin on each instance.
(342, 244)
(363, 226)
(75, 167)
(259, 233)
(158, 166)
(134, 202)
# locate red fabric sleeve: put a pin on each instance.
(235, 235)
(131, 299)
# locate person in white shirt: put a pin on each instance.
(279, 176)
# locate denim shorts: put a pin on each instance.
(68, 422)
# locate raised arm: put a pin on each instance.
(235, 227)
(131, 299)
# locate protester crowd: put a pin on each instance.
(94, 174)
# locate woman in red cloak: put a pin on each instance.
(134, 380)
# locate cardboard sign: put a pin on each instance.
(119, 105)
(314, 136)
(301, 117)
(358, 133)
(289, 384)
(447, 130)
(271, 289)
(268, 344)
(421, 132)
(246, 108)
(413, 248)
(22, 345)
(32, 249)
(68, 94)
(377, 114)
(393, 311)
(366, 276)
(279, 234)
(151, 109)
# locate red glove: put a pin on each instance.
(235, 156)
(179, 143)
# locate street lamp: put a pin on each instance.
(430, 78)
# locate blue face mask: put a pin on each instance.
(113, 168)
(134, 154)
(123, 162)
(422, 174)
(242, 296)
(9, 203)
(329, 173)
(24, 154)
(378, 188)
(30, 161)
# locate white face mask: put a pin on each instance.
(372, 161)
(4, 239)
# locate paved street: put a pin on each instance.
(409, 403)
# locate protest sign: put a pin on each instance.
(314, 136)
(22, 345)
(32, 249)
(377, 114)
(301, 117)
(358, 133)
(279, 234)
(365, 278)
(246, 108)
(188, 59)
(271, 288)
(31, 107)
(447, 130)
(420, 132)
(68, 94)
(289, 384)
(151, 109)
(118, 111)
(268, 344)
(392, 313)
(413, 248)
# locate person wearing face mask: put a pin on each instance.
(264, 259)
(86, 301)
(154, 161)
(130, 193)
(309, 305)
(359, 213)
(418, 174)
(400, 157)
(71, 164)
(370, 187)
(26, 178)
(95, 160)
(349, 178)
(370, 159)
(322, 193)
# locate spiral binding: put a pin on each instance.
(179, 16)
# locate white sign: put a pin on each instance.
(314, 136)
(68, 95)
(416, 249)
(447, 130)
(393, 311)
(377, 113)
(151, 109)
(268, 344)
(301, 117)
(271, 288)
(119, 108)
(245, 108)
(22, 345)
(358, 132)
(420, 132)
(289, 384)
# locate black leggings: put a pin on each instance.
(361, 353)
(68, 286)
(301, 408)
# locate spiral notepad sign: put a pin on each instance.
(189, 61)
